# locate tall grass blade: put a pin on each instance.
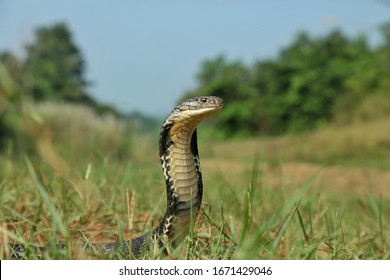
(56, 219)
(283, 228)
(250, 193)
(303, 226)
(36, 220)
(381, 231)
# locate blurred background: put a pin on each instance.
(99, 75)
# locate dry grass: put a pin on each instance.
(364, 144)
(263, 198)
(77, 128)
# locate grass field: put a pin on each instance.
(321, 195)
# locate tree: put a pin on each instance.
(12, 65)
(54, 68)
(231, 81)
(314, 80)
(13, 135)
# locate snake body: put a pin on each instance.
(179, 157)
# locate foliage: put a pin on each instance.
(53, 71)
(54, 68)
(231, 81)
(312, 81)
(76, 128)
(13, 135)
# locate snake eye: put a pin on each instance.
(203, 100)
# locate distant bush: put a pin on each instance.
(79, 131)
(313, 81)
(13, 136)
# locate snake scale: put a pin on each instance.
(179, 157)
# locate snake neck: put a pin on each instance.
(183, 178)
(181, 168)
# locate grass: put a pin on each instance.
(362, 144)
(295, 197)
(240, 221)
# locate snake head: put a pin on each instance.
(185, 117)
(196, 109)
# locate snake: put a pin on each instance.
(179, 156)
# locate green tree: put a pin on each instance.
(54, 68)
(231, 81)
(312, 81)
(13, 135)
(303, 85)
(13, 66)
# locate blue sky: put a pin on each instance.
(142, 55)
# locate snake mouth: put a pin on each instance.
(199, 108)
(203, 113)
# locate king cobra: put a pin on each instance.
(183, 178)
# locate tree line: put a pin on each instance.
(313, 81)
(54, 69)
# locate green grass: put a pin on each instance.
(362, 144)
(320, 195)
(243, 216)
